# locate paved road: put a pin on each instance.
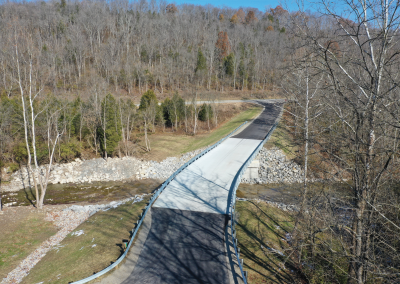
(186, 239)
(259, 128)
(183, 247)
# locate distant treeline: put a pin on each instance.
(132, 46)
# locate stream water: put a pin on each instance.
(78, 193)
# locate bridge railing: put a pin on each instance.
(151, 201)
(232, 208)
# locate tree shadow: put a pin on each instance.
(27, 187)
(280, 266)
(183, 247)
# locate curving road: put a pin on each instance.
(184, 240)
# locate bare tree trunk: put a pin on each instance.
(24, 112)
(146, 140)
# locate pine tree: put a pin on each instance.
(146, 99)
(229, 64)
(205, 112)
(168, 111)
(201, 62)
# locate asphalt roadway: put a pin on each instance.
(260, 127)
(183, 247)
(186, 243)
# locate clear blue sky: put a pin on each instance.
(260, 4)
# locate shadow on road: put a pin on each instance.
(183, 247)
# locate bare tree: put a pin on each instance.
(148, 114)
(303, 88)
(29, 92)
(359, 63)
(196, 109)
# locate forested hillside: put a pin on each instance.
(134, 46)
(80, 68)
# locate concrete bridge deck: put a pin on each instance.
(185, 241)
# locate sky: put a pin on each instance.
(262, 5)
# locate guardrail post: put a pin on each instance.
(245, 275)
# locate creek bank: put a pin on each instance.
(92, 209)
(110, 169)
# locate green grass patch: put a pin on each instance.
(261, 234)
(99, 246)
(283, 138)
(165, 145)
(15, 245)
(224, 130)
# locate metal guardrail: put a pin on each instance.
(152, 199)
(236, 183)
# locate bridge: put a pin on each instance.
(183, 238)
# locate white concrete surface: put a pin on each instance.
(252, 170)
(204, 185)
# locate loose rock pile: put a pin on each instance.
(112, 169)
(166, 168)
(275, 168)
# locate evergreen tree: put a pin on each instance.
(110, 133)
(206, 112)
(168, 111)
(242, 70)
(76, 116)
(229, 64)
(146, 99)
(201, 62)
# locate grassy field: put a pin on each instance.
(261, 234)
(283, 139)
(78, 257)
(27, 234)
(165, 145)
